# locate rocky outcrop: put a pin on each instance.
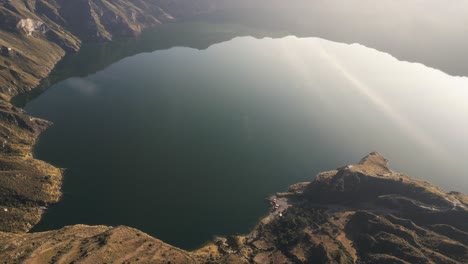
(371, 179)
(340, 218)
(305, 228)
(29, 26)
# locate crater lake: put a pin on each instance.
(186, 140)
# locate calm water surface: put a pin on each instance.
(185, 144)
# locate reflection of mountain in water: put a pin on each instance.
(432, 33)
(406, 33)
(95, 57)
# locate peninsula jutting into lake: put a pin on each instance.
(123, 123)
(234, 120)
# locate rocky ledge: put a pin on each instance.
(362, 213)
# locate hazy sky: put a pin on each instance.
(427, 31)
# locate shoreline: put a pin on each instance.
(29, 184)
(361, 213)
(312, 222)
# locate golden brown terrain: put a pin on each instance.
(34, 36)
(362, 213)
(411, 221)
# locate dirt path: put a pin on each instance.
(279, 206)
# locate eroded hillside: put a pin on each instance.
(362, 213)
(34, 36)
(423, 225)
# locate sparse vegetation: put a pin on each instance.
(305, 233)
(289, 229)
(347, 233)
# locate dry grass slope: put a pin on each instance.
(362, 213)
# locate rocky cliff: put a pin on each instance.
(362, 213)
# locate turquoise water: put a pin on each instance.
(185, 144)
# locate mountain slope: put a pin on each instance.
(364, 213)
(34, 36)
(305, 228)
